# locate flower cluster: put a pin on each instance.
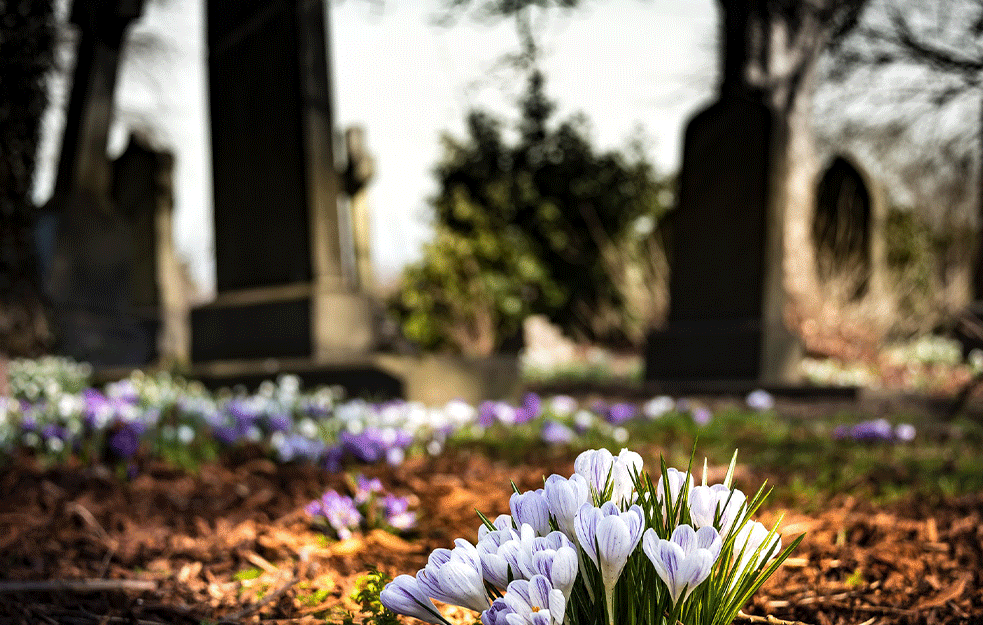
(876, 430)
(604, 546)
(370, 507)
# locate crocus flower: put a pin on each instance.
(403, 595)
(600, 468)
(563, 405)
(565, 497)
(495, 567)
(534, 602)
(749, 539)
(531, 507)
(533, 404)
(683, 561)
(398, 514)
(620, 412)
(702, 416)
(608, 536)
(677, 479)
(555, 433)
(706, 502)
(455, 576)
(905, 432)
(365, 488)
(501, 522)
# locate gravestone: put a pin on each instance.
(87, 278)
(725, 320)
(848, 231)
(280, 280)
(144, 195)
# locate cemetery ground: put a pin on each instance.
(894, 529)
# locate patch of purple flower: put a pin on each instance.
(620, 412)
(397, 512)
(555, 433)
(338, 511)
(875, 430)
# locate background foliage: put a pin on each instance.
(544, 223)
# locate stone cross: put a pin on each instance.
(83, 163)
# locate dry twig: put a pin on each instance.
(769, 620)
(78, 585)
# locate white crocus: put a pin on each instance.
(501, 522)
(600, 468)
(534, 602)
(677, 480)
(403, 595)
(706, 502)
(608, 537)
(747, 542)
(565, 497)
(494, 566)
(685, 560)
(455, 576)
(531, 507)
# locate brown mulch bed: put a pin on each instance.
(179, 540)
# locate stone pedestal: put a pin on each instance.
(281, 288)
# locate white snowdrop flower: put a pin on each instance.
(905, 432)
(254, 434)
(583, 419)
(185, 433)
(760, 400)
(395, 456)
(434, 448)
(505, 413)
(277, 440)
(55, 444)
(308, 429)
(459, 411)
(620, 435)
(563, 405)
(658, 406)
(266, 388)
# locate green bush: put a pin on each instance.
(545, 224)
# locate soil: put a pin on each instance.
(185, 537)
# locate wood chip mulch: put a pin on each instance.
(232, 544)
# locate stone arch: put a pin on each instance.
(843, 228)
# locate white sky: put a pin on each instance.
(626, 64)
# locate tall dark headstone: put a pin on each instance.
(88, 279)
(281, 292)
(726, 295)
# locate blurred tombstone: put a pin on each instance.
(848, 232)
(281, 286)
(88, 273)
(725, 320)
(144, 195)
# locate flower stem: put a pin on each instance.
(609, 592)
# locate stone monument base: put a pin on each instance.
(281, 322)
(731, 350)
